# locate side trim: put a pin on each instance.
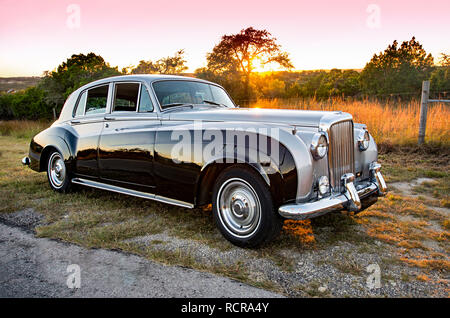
(108, 187)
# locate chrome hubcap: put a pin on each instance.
(57, 170)
(239, 207)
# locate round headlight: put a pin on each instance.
(363, 140)
(324, 185)
(319, 146)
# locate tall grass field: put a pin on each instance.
(388, 122)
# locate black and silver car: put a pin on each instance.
(183, 141)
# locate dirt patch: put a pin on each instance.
(26, 218)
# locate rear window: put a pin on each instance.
(126, 97)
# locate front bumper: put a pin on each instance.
(26, 161)
(357, 197)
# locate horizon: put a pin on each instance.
(324, 35)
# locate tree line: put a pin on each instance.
(398, 70)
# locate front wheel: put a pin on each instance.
(243, 209)
(57, 173)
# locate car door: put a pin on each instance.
(87, 123)
(126, 146)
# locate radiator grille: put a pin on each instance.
(341, 152)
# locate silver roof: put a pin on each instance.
(149, 78)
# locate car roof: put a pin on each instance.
(149, 78)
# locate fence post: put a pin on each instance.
(423, 110)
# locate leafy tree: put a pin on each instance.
(444, 60)
(168, 65)
(398, 69)
(238, 52)
(440, 78)
(77, 71)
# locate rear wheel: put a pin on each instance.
(57, 172)
(243, 209)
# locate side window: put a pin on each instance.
(126, 97)
(81, 105)
(145, 103)
(96, 100)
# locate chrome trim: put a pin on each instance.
(109, 84)
(323, 180)
(361, 137)
(114, 96)
(188, 80)
(315, 144)
(353, 200)
(302, 211)
(239, 208)
(376, 175)
(350, 200)
(56, 170)
(333, 118)
(139, 194)
(341, 158)
(26, 161)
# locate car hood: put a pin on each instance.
(306, 118)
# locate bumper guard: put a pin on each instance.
(356, 197)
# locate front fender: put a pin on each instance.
(268, 170)
(281, 172)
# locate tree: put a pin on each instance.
(440, 78)
(237, 52)
(398, 69)
(75, 72)
(168, 65)
(444, 60)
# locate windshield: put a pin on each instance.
(174, 93)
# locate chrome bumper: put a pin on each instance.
(26, 161)
(356, 197)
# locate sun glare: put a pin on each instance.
(264, 68)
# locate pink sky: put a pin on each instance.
(35, 35)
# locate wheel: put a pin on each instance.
(57, 173)
(243, 209)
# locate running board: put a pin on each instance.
(139, 194)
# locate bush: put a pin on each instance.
(26, 104)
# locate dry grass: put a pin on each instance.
(389, 123)
(22, 128)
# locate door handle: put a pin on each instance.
(74, 122)
(109, 118)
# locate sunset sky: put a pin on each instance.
(38, 35)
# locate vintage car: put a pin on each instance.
(183, 141)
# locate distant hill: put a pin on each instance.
(17, 83)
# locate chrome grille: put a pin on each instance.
(340, 152)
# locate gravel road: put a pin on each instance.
(37, 267)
